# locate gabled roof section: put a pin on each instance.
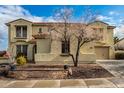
(41, 36)
(108, 26)
(111, 27)
(99, 22)
(18, 20)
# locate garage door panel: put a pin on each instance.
(102, 52)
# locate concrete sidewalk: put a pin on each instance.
(72, 83)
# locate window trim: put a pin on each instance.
(40, 30)
(100, 31)
(65, 52)
(22, 32)
(21, 49)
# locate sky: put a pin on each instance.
(113, 15)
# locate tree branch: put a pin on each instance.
(72, 57)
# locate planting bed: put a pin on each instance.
(32, 71)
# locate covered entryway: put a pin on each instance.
(102, 52)
(34, 51)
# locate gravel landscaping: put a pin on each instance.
(33, 71)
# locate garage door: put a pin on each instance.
(102, 52)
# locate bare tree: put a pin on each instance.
(116, 39)
(66, 27)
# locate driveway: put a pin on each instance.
(116, 67)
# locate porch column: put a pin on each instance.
(30, 52)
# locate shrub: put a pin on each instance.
(19, 54)
(21, 60)
(119, 55)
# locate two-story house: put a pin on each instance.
(23, 37)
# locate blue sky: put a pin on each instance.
(101, 9)
(113, 15)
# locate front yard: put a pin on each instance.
(33, 71)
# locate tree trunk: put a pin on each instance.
(77, 54)
(75, 64)
(75, 59)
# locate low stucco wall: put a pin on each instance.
(119, 51)
(4, 60)
(58, 59)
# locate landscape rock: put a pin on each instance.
(17, 75)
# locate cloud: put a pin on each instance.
(101, 17)
(107, 19)
(119, 31)
(113, 13)
(9, 13)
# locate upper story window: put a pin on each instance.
(99, 32)
(21, 31)
(40, 30)
(65, 46)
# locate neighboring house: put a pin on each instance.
(3, 57)
(119, 45)
(2, 53)
(25, 37)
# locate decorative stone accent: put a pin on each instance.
(17, 75)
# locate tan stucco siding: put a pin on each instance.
(48, 50)
(35, 29)
(111, 52)
(12, 49)
(13, 29)
(110, 37)
(56, 47)
(30, 52)
(43, 46)
(104, 27)
(87, 48)
(49, 57)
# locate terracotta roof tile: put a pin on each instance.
(33, 41)
(41, 36)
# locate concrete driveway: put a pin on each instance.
(116, 67)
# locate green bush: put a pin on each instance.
(119, 55)
(21, 60)
(20, 54)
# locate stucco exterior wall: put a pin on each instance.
(104, 27)
(30, 52)
(43, 46)
(13, 30)
(110, 42)
(12, 49)
(13, 41)
(55, 58)
(35, 29)
(51, 50)
(88, 48)
(4, 60)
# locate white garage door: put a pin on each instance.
(102, 52)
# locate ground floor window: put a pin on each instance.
(65, 46)
(21, 49)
